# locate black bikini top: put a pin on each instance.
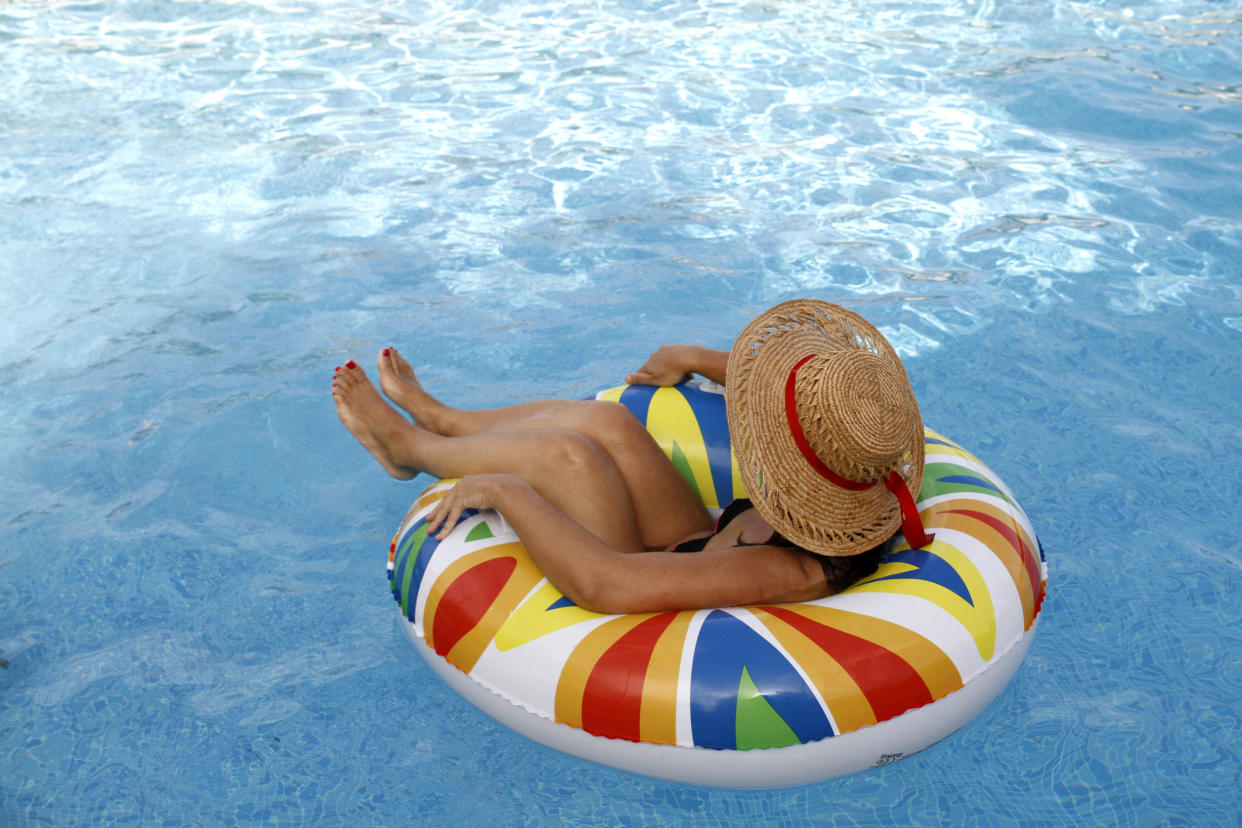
(840, 572)
(726, 517)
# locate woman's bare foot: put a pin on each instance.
(375, 423)
(400, 385)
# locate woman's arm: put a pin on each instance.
(671, 363)
(598, 577)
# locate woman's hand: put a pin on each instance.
(667, 366)
(672, 363)
(478, 491)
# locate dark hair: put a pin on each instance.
(843, 570)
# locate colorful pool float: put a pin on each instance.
(752, 697)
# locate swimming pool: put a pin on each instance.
(208, 206)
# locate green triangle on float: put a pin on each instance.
(480, 532)
(758, 723)
(682, 465)
(951, 478)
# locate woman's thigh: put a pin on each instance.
(567, 468)
(665, 506)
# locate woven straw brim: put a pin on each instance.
(787, 491)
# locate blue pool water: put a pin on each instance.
(205, 207)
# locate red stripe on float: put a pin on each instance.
(467, 600)
(890, 685)
(612, 700)
(1028, 558)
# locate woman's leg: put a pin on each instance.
(399, 383)
(666, 506)
(570, 470)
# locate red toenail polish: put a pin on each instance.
(385, 352)
(338, 367)
(351, 365)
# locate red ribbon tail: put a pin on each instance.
(911, 522)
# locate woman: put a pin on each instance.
(820, 414)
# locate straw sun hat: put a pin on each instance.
(826, 429)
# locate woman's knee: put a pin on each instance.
(574, 455)
(612, 414)
(614, 426)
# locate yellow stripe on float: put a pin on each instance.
(612, 394)
(672, 420)
(739, 488)
(979, 619)
(950, 447)
(534, 620)
(942, 515)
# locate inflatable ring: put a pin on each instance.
(753, 697)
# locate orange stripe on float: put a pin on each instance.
(1009, 531)
(998, 531)
(845, 699)
(433, 494)
(577, 670)
(612, 699)
(465, 602)
(472, 641)
(658, 722)
(523, 579)
(890, 683)
(929, 661)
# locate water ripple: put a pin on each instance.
(568, 111)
